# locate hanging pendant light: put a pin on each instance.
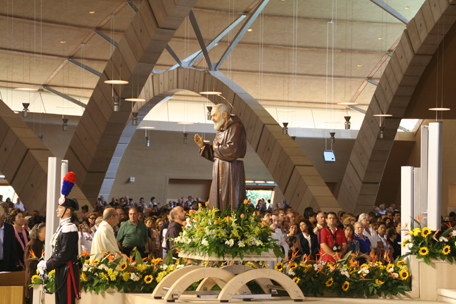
(347, 122)
(135, 99)
(116, 102)
(134, 120)
(65, 124)
(285, 128)
(208, 114)
(185, 138)
(333, 138)
(116, 81)
(147, 138)
(25, 109)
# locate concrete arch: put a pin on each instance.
(293, 172)
(393, 95)
(24, 161)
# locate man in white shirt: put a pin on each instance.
(281, 238)
(19, 205)
(104, 238)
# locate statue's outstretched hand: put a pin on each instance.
(199, 141)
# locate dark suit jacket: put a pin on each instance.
(305, 244)
(10, 257)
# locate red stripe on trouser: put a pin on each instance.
(70, 278)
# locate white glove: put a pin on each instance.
(42, 267)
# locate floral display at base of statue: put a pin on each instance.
(346, 279)
(429, 245)
(226, 234)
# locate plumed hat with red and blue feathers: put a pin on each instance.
(68, 183)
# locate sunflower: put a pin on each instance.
(84, 277)
(292, 265)
(404, 242)
(329, 282)
(424, 251)
(35, 277)
(403, 274)
(279, 267)
(378, 282)
(345, 286)
(296, 280)
(390, 266)
(95, 262)
(425, 232)
(105, 276)
(446, 250)
(123, 266)
(51, 272)
(401, 262)
(148, 279)
(416, 231)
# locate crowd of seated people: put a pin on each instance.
(146, 226)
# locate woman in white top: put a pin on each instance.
(370, 233)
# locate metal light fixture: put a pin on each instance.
(147, 138)
(65, 124)
(208, 114)
(347, 122)
(382, 132)
(116, 81)
(135, 99)
(285, 128)
(40, 137)
(333, 139)
(116, 102)
(294, 138)
(134, 120)
(25, 105)
(185, 138)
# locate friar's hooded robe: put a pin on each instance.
(228, 176)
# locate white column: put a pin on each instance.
(422, 203)
(63, 171)
(407, 194)
(417, 210)
(53, 191)
(434, 175)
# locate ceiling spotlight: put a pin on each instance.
(380, 38)
(134, 120)
(210, 93)
(27, 89)
(383, 115)
(116, 101)
(62, 41)
(285, 128)
(407, 7)
(249, 30)
(359, 65)
(347, 122)
(65, 124)
(208, 114)
(25, 105)
(91, 12)
(185, 138)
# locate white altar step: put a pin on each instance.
(447, 295)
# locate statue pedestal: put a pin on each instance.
(232, 280)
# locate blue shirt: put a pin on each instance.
(364, 247)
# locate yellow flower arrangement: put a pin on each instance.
(345, 286)
(104, 276)
(389, 266)
(292, 265)
(446, 250)
(51, 272)
(126, 276)
(95, 262)
(329, 282)
(403, 274)
(123, 266)
(296, 280)
(279, 267)
(378, 282)
(416, 231)
(404, 242)
(84, 277)
(401, 262)
(424, 251)
(35, 277)
(250, 264)
(161, 275)
(143, 267)
(148, 279)
(425, 232)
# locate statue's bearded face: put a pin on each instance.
(218, 119)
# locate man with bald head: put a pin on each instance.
(104, 238)
(133, 233)
(227, 154)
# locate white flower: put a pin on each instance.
(409, 245)
(344, 271)
(316, 266)
(331, 269)
(134, 277)
(391, 269)
(364, 271)
(443, 239)
(291, 272)
(204, 242)
(103, 267)
(179, 266)
(85, 267)
(229, 242)
(453, 233)
(241, 244)
(164, 266)
(395, 275)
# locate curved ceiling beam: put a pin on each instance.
(24, 161)
(293, 172)
(368, 158)
(98, 133)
